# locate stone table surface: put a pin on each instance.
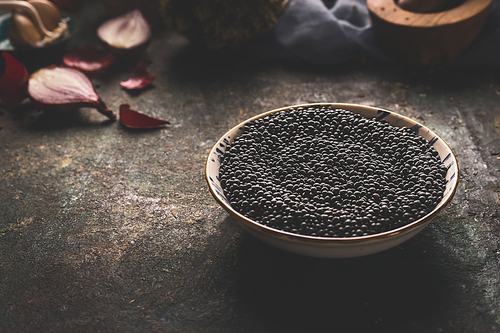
(107, 229)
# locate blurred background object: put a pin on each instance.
(211, 23)
(219, 23)
(428, 38)
(69, 6)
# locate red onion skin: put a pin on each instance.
(135, 50)
(89, 59)
(14, 82)
(95, 102)
(134, 119)
(139, 79)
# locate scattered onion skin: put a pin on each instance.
(140, 78)
(61, 89)
(127, 34)
(89, 59)
(135, 119)
(13, 81)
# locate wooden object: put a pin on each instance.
(422, 6)
(427, 38)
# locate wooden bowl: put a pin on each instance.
(427, 38)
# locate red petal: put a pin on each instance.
(140, 77)
(135, 119)
(13, 82)
(89, 59)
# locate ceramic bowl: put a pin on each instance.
(336, 247)
(34, 58)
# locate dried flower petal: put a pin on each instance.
(135, 119)
(140, 77)
(89, 59)
(13, 81)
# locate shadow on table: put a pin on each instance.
(38, 120)
(398, 290)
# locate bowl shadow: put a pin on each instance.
(398, 290)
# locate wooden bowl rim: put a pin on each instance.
(389, 11)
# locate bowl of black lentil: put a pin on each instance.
(332, 180)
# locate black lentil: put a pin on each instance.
(328, 172)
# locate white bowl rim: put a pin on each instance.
(420, 223)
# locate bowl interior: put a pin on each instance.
(445, 153)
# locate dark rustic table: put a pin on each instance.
(105, 229)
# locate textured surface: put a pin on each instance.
(106, 229)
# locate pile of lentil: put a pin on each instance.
(328, 172)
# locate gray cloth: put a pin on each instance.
(329, 31)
